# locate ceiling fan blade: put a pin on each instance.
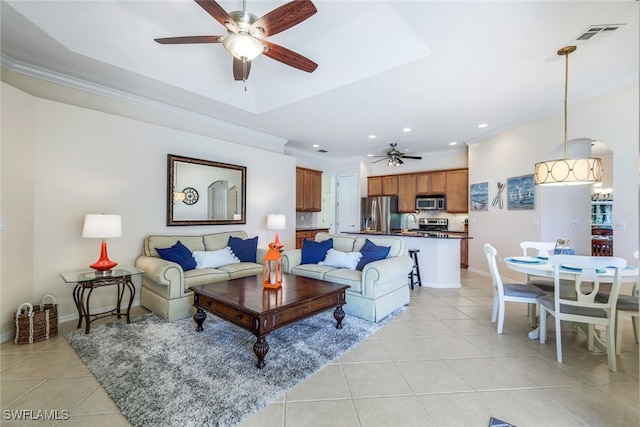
(289, 57)
(399, 160)
(241, 69)
(284, 17)
(190, 39)
(412, 157)
(219, 14)
(385, 158)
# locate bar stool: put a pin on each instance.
(414, 275)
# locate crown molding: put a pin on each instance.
(214, 127)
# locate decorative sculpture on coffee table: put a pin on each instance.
(272, 267)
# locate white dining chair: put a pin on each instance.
(583, 308)
(541, 249)
(627, 309)
(513, 292)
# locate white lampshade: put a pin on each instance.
(276, 222)
(243, 46)
(102, 226)
(568, 171)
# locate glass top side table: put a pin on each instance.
(88, 280)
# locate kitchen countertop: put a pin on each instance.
(416, 233)
(311, 229)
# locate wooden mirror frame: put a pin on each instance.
(201, 192)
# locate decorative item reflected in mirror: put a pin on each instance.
(203, 192)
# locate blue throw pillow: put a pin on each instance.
(372, 252)
(179, 254)
(245, 250)
(313, 252)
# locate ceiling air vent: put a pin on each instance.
(595, 32)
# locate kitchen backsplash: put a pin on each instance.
(456, 221)
(306, 220)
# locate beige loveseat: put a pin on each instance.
(376, 291)
(165, 286)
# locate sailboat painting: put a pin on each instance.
(479, 196)
(521, 193)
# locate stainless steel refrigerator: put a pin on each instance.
(380, 213)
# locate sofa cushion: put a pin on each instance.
(372, 252)
(179, 254)
(340, 243)
(342, 276)
(244, 249)
(315, 271)
(220, 240)
(243, 269)
(215, 259)
(204, 276)
(152, 242)
(341, 259)
(396, 245)
(314, 252)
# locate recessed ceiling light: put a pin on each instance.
(483, 125)
(453, 143)
(315, 146)
(406, 130)
(372, 137)
(369, 155)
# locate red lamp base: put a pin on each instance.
(104, 263)
(279, 245)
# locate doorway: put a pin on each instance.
(602, 211)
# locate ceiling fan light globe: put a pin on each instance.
(243, 46)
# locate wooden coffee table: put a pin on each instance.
(247, 304)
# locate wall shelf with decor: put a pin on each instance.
(602, 213)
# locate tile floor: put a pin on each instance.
(440, 363)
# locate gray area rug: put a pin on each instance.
(167, 374)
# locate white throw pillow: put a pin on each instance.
(340, 259)
(215, 259)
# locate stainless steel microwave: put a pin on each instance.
(425, 203)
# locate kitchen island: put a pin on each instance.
(439, 255)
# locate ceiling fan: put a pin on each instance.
(394, 157)
(247, 34)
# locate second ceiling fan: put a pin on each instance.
(246, 34)
(394, 156)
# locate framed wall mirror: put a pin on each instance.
(202, 192)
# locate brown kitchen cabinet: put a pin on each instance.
(407, 193)
(464, 253)
(374, 186)
(430, 183)
(307, 234)
(308, 190)
(464, 248)
(438, 182)
(382, 185)
(457, 191)
(390, 185)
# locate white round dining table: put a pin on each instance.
(540, 267)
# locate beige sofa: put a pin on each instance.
(376, 291)
(165, 286)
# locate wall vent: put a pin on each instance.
(595, 33)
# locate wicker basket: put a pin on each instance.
(36, 323)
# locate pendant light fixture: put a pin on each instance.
(568, 171)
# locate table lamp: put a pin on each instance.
(277, 222)
(102, 226)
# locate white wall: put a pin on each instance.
(61, 162)
(611, 118)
